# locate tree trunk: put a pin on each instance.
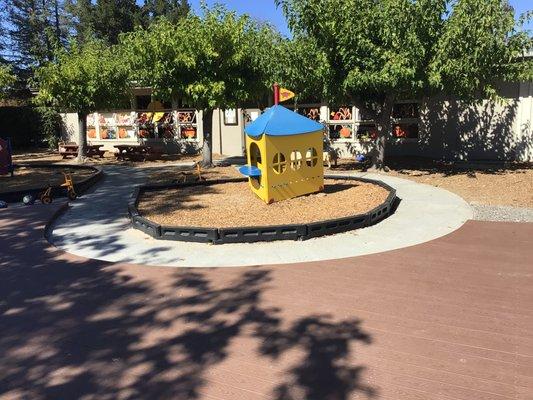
(384, 128)
(207, 149)
(82, 137)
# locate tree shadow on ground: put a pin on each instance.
(332, 186)
(73, 328)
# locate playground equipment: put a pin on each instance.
(69, 185)
(284, 151)
(46, 195)
(6, 162)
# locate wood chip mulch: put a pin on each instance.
(234, 205)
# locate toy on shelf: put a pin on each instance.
(284, 151)
(6, 162)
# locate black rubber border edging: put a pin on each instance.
(256, 233)
(57, 191)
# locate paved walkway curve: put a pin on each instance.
(96, 226)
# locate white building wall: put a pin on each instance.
(228, 139)
(448, 129)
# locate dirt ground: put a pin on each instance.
(486, 184)
(506, 188)
(207, 206)
(49, 156)
(36, 178)
(171, 174)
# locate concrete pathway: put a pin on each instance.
(96, 226)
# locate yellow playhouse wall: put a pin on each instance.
(291, 182)
(258, 186)
(294, 182)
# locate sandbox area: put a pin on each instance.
(234, 205)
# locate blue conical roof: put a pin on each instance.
(280, 121)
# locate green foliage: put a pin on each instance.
(173, 10)
(302, 67)
(207, 60)
(383, 50)
(409, 48)
(34, 29)
(50, 124)
(22, 125)
(478, 46)
(84, 78)
(7, 79)
(112, 17)
(107, 19)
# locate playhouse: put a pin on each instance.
(284, 152)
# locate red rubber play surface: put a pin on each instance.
(448, 319)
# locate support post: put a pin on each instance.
(276, 93)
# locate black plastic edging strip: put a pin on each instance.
(260, 233)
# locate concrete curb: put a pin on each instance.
(95, 227)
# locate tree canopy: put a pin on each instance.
(83, 78)
(208, 60)
(381, 51)
(6, 79)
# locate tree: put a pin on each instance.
(209, 61)
(382, 51)
(81, 19)
(173, 10)
(300, 65)
(35, 28)
(6, 79)
(113, 17)
(83, 78)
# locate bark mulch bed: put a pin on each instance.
(505, 184)
(37, 177)
(234, 205)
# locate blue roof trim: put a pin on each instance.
(280, 121)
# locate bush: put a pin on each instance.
(30, 127)
(51, 123)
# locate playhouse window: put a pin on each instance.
(279, 163)
(311, 157)
(296, 160)
(255, 154)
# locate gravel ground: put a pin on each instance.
(502, 213)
